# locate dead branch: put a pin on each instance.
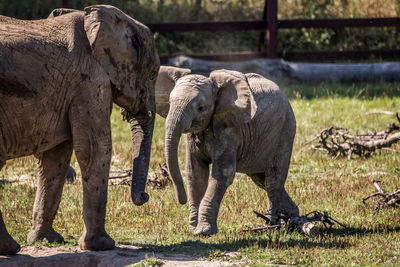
(385, 112)
(377, 186)
(391, 150)
(161, 179)
(154, 180)
(303, 224)
(369, 174)
(261, 228)
(385, 199)
(121, 174)
(339, 142)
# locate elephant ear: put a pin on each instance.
(61, 11)
(116, 43)
(235, 104)
(166, 79)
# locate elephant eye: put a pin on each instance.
(200, 109)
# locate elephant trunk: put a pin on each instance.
(176, 123)
(142, 132)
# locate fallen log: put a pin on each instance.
(303, 225)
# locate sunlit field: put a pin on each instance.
(315, 182)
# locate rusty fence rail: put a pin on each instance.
(270, 26)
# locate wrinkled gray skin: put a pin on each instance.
(58, 80)
(236, 122)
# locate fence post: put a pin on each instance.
(272, 30)
(261, 39)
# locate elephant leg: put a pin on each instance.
(273, 182)
(197, 172)
(8, 246)
(282, 163)
(71, 175)
(53, 166)
(274, 188)
(279, 201)
(91, 135)
(288, 206)
(222, 175)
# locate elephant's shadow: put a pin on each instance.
(360, 231)
(330, 238)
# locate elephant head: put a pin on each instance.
(196, 102)
(125, 49)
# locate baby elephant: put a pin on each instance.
(236, 122)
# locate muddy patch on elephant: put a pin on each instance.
(121, 256)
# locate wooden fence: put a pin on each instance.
(270, 25)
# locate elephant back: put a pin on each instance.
(267, 96)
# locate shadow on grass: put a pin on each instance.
(331, 238)
(203, 248)
(354, 231)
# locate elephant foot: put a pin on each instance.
(193, 223)
(273, 219)
(9, 246)
(96, 242)
(192, 227)
(50, 236)
(290, 210)
(206, 229)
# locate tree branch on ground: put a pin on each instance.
(303, 224)
(339, 142)
(154, 180)
(385, 199)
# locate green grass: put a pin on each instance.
(150, 262)
(315, 182)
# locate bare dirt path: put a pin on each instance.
(35, 256)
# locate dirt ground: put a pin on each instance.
(35, 256)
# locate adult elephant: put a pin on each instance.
(236, 122)
(58, 80)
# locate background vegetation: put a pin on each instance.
(217, 10)
(315, 182)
